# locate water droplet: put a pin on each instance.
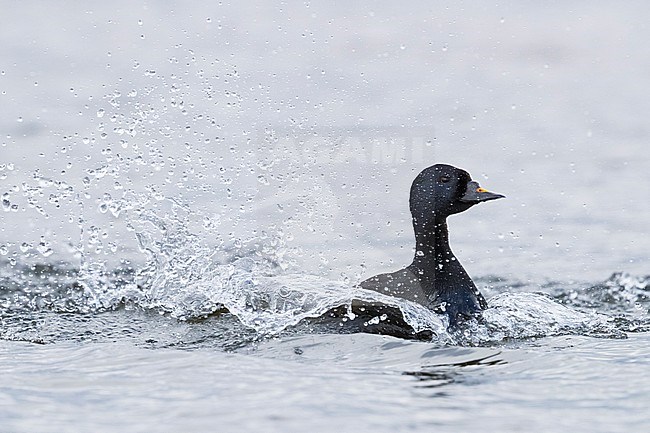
(100, 112)
(44, 248)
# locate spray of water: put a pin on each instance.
(171, 203)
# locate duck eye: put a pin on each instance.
(444, 179)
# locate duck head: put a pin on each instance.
(442, 190)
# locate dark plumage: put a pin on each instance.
(436, 278)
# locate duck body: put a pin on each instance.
(436, 278)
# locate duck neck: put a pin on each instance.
(431, 246)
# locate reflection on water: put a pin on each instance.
(434, 379)
(445, 373)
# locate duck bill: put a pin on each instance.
(475, 194)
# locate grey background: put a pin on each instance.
(337, 106)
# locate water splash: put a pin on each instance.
(623, 296)
(269, 300)
(622, 292)
(193, 272)
(529, 315)
(157, 166)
